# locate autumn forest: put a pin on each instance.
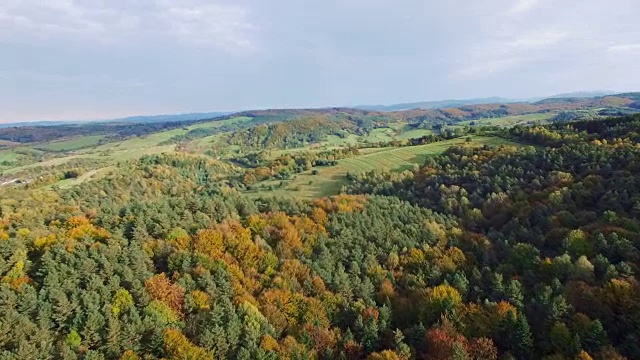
(514, 241)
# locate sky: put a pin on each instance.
(91, 59)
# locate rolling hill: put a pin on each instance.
(494, 230)
(227, 136)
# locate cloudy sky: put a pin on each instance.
(85, 59)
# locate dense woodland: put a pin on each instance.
(480, 253)
(291, 134)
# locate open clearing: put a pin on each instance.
(410, 133)
(219, 123)
(330, 180)
(510, 120)
(89, 175)
(395, 131)
(72, 144)
(8, 155)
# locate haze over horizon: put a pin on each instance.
(75, 59)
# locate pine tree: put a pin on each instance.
(368, 329)
(93, 328)
(62, 308)
(514, 294)
(595, 337)
(520, 337)
(73, 340)
(458, 352)
(113, 343)
(401, 348)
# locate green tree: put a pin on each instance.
(520, 337)
(595, 337)
(74, 340)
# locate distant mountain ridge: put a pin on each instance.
(584, 94)
(567, 108)
(576, 97)
(438, 104)
(454, 103)
(34, 123)
(171, 117)
(601, 106)
(130, 119)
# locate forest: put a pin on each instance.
(480, 252)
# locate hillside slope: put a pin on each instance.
(515, 242)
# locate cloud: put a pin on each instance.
(186, 55)
(204, 23)
(537, 39)
(502, 54)
(522, 6)
(57, 17)
(223, 25)
(487, 67)
(624, 48)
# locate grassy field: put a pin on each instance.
(394, 132)
(334, 140)
(203, 144)
(511, 120)
(89, 175)
(379, 135)
(139, 142)
(72, 144)
(219, 123)
(409, 133)
(8, 155)
(330, 180)
(16, 155)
